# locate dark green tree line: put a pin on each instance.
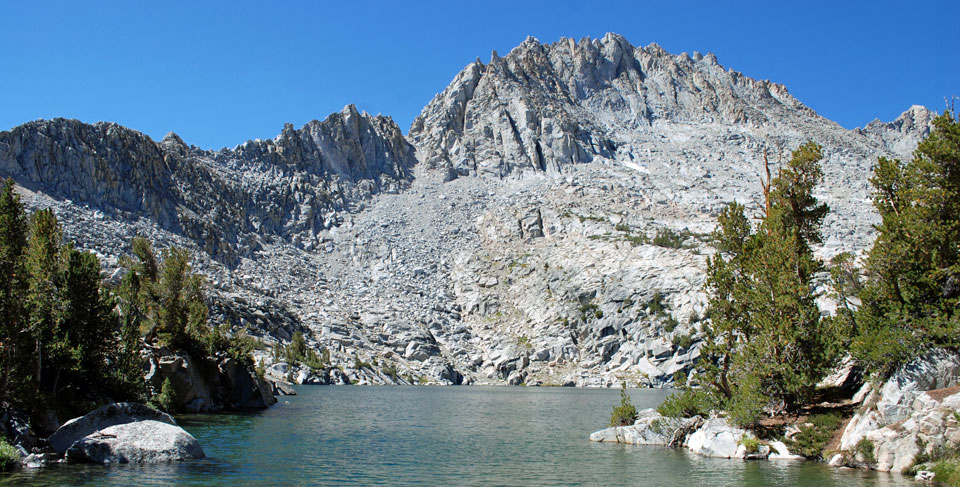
(60, 341)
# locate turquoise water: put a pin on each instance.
(391, 435)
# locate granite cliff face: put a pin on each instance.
(509, 238)
(215, 198)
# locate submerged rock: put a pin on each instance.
(138, 442)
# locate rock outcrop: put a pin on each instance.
(650, 429)
(208, 386)
(144, 441)
(916, 412)
(713, 437)
(901, 136)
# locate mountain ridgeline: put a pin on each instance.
(215, 198)
(544, 221)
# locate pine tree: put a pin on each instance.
(44, 299)
(13, 242)
(765, 345)
(911, 296)
(165, 298)
(90, 328)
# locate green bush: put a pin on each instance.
(625, 414)
(669, 239)
(9, 455)
(167, 399)
(670, 324)
(682, 341)
(751, 444)
(809, 442)
(947, 472)
(685, 404)
(864, 449)
(656, 306)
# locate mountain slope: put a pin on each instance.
(511, 237)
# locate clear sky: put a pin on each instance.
(221, 72)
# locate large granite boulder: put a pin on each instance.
(717, 438)
(916, 413)
(244, 390)
(138, 442)
(650, 428)
(935, 370)
(189, 381)
(100, 419)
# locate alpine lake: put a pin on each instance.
(420, 435)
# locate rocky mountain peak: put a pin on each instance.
(901, 135)
(544, 106)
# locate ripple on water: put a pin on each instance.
(473, 436)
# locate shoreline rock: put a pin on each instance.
(104, 417)
(146, 441)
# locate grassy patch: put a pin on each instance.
(751, 444)
(9, 455)
(814, 435)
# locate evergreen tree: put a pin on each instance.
(90, 327)
(765, 345)
(910, 299)
(13, 242)
(44, 299)
(165, 299)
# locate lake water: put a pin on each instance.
(483, 436)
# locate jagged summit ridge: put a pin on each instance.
(901, 135)
(227, 200)
(543, 106)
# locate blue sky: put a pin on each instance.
(219, 73)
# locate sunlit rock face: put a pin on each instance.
(510, 237)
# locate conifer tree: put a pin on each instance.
(765, 346)
(13, 241)
(44, 299)
(910, 299)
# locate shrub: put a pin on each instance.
(864, 449)
(751, 444)
(625, 414)
(682, 341)
(167, 399)
(668, 238)
(390, 370)
(9, 455)
(947, 472)
(670, 324)
(809, 442)
(656, 306)
(685, 404)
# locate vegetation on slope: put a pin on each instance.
(767, 346)
(68, 342)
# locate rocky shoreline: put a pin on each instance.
(896, 426)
